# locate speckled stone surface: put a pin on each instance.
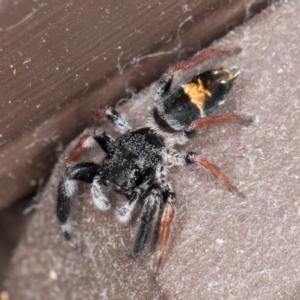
(221, 247)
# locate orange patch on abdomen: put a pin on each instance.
(196, 93)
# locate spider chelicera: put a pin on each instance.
(135, 163)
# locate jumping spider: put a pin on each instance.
(135, 165)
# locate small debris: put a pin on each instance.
(52, 275)
(4, 295)
(237, 220)
(280, 212)
(220, 241)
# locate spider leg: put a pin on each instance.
(66, 200)
(124, 213)
(190, 157)
(98, 197)
(167, 77)
(149, 216)
(120, 124)
(201, 123)
(167, 217)
(164, 235)
(88, 140)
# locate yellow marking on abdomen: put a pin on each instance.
(197, 93)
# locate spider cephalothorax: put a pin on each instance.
(135, 163)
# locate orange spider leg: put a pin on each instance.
(165, 230)
(184, 65)
(201, 123)
(88, 140)
(84, 143)
(103, 111)
(217, 173)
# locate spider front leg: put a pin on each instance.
(177, 158)
(124, 213)
(120, 124)
(149, 216)
(67, 201)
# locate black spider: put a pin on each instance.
(135, 163)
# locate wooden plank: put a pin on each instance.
(60, 60)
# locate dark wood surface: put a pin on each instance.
(60, 60)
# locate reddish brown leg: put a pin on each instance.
(83, 144)
(165, 229)
(216, 172)
(103, 111)
(88, 140)
(184, 65)
(201, 123)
